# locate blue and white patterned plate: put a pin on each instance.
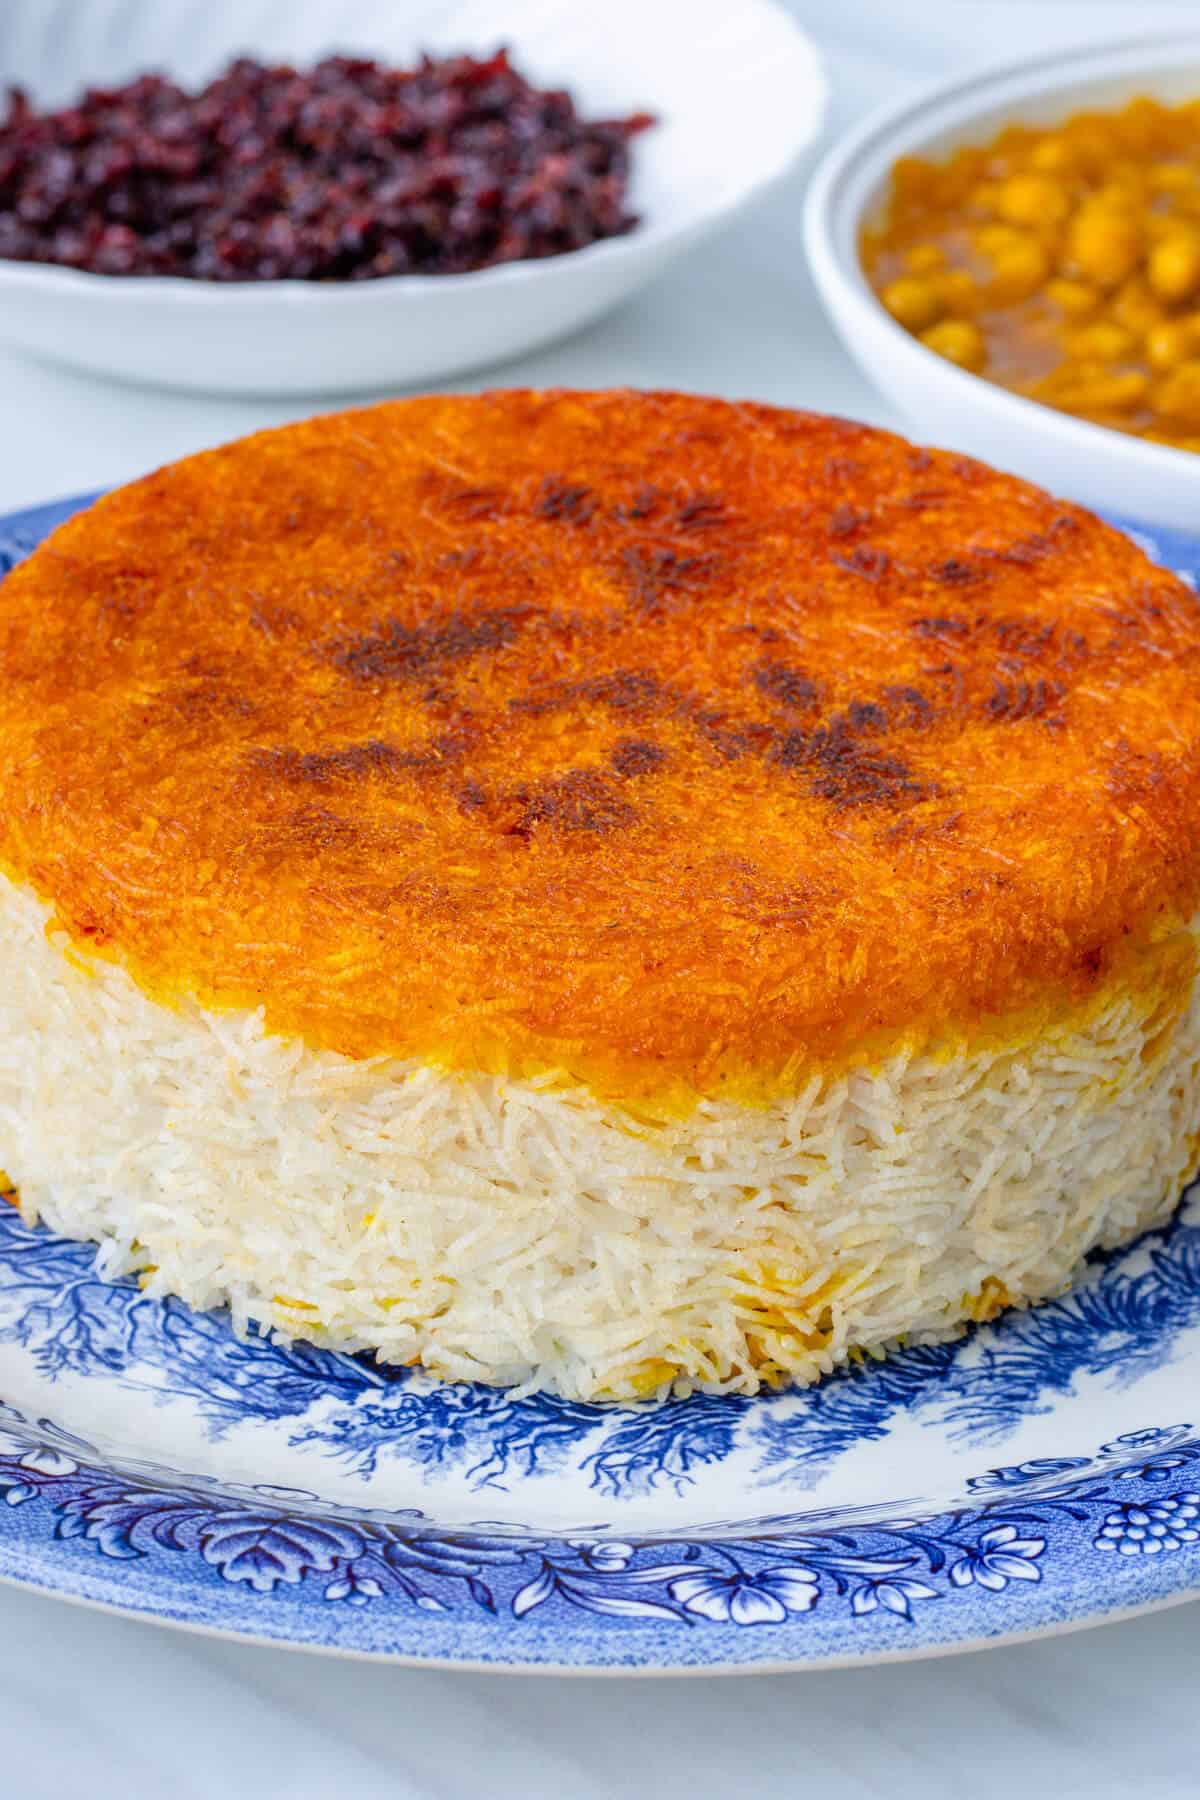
(1042, 1473)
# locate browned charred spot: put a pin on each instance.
(907, 831)
(471, 797)
(865, 716)
(566, 500)
(850, 777)
(943, 625)
(1011, 701)
(842, 468)
(1091, 961)
(843, 771)
(954, 572)
(1022, 637)
(459, 560)
(866, 560)
(125, 591)
(415, 893)
(314, 828)
(1174, 606)
(908, 708)
(954, 678)
(919, 460)
(582, 800)
(435, 753)
(396, 564)
(1024, 552)
(794, 749)
(700, 511)
(654, 573)
(623, 691)
(969, 470)
(272, 620)
(1133, 774)
(357, 762)
(209, 694)
(845, 520)
(353, 761)
(637, 756)
(729, 736)
(920, 498)
(706, 435)
(643, 505)
(399, 652)
(476, 502)
(784, 685)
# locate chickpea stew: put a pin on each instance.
(1062, 264)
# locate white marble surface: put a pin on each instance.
(98, 1704)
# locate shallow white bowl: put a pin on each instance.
(1101, 467)
(738, 92)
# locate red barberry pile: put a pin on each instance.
(343, 172)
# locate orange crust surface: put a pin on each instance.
(675, 744)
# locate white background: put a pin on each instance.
(98, 1705)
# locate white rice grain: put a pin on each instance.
(520, 1231)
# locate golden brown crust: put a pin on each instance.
(669, 741)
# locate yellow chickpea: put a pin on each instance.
(1102, 391)
(1140, 124)
(1170, 343)
(912, 302)
(1018, 272)
(959, 342)
(1053, 156)
(1088, 143)
(1105, 341)
(1075, 298)
(923, 259)
(1033, 200)
(1104, 244)
(911, 176)
(985, 198)
(1172, 178)
(1124, 191)
(1177, 439)
(956, 291)
(993, 240)
(1173, 269)
(1127, 388)
(1177, 396)
(1135, 307)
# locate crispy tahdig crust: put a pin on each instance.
(681, 744)
(607, 892)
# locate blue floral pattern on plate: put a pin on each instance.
(801, 1560)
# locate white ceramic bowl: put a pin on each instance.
(737, 89)
(1103, 468)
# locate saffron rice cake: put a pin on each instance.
(613, 893)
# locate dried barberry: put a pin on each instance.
(346, 172)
